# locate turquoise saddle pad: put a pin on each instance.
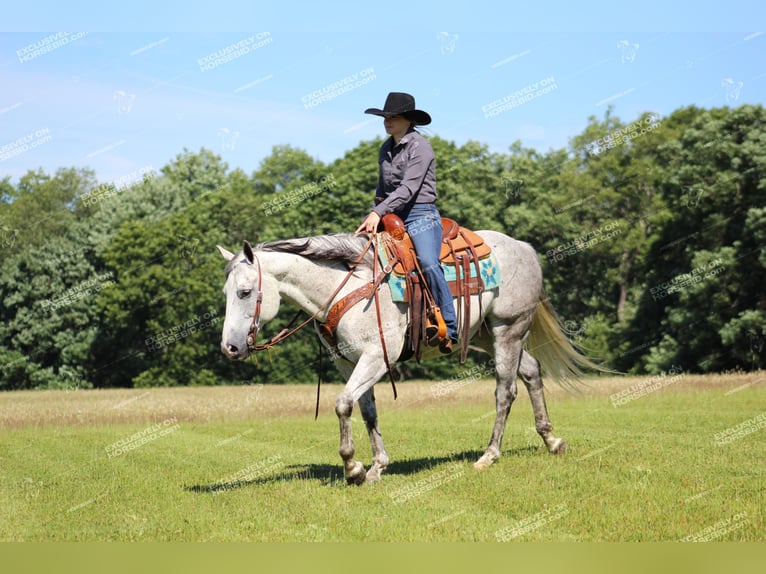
(488, 267)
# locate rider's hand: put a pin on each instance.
(369, 225)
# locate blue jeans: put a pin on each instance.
(424, 226)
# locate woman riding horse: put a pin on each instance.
(407, 188)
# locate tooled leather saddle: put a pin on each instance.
(461, 248)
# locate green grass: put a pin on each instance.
(251, 464)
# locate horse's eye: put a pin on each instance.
(244, 293)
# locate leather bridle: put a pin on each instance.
(255, 325)
(288, 331)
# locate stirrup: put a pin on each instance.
(445, 346)
(436, 329)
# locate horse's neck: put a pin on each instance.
(303, 282)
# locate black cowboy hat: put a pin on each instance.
(401, 104)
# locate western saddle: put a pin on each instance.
(461, 248)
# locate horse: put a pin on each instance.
(509, 322)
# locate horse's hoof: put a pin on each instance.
(558, 447)
(357, 475)
(357, 480)
(484, 462)
(373, 476)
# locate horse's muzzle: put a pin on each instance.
(233, 352)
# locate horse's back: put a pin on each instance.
(520, 272)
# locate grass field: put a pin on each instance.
(681, 458)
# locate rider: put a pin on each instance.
(407, 188)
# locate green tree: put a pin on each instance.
(714, 183)
(47, 319)
(160, 321)
(40, 207)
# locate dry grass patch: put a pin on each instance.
(242, 403)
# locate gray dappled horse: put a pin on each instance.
(306, 271)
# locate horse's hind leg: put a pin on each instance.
(530, 374)
(508, 347)
(370, 416)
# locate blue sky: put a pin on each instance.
(240, 78)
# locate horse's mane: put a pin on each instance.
(342, 247)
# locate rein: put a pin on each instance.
(289, 330)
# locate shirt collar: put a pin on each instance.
(405, 139)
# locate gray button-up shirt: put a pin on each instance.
(406, 174)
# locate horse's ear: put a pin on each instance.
(228, 255)
(248, 251)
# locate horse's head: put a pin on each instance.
(252, 298)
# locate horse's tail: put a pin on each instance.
(549, 344)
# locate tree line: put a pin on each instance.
(650, 234)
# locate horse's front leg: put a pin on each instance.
(364, 376)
